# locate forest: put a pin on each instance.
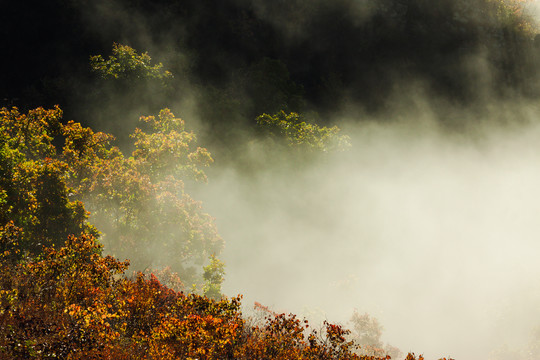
(153, 151)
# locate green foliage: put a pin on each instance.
(299, 133)
(138, 202)
(128, 82)
(168, 150)
(214, 274)
(10, 236)
(34, 192)
(126, 63)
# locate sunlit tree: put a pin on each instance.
(126, 63)
(138, 202)
(35, 194)
(299, 133)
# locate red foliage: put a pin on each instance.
(73, 303)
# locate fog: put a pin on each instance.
(429, 222)
(431, 229)
(434, 233)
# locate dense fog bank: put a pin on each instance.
(434, 233)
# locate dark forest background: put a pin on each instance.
(242, 58)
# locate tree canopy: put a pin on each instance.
(125, 63)
(137, 202)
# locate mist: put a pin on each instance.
(432, 230)
(429, 222)
(435, 233)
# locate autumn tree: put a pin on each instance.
(138, 202)
(73, 303)
(35, 194)
(138, 199)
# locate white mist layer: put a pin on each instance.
(436, 237)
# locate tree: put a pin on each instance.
(366, 332)
(126, 63)
(35, 194)
(297, 132)
(214, 274)
(137, 202)
(73, 303)
(155, 222)
(127, 82)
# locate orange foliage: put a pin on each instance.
(73, 303)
